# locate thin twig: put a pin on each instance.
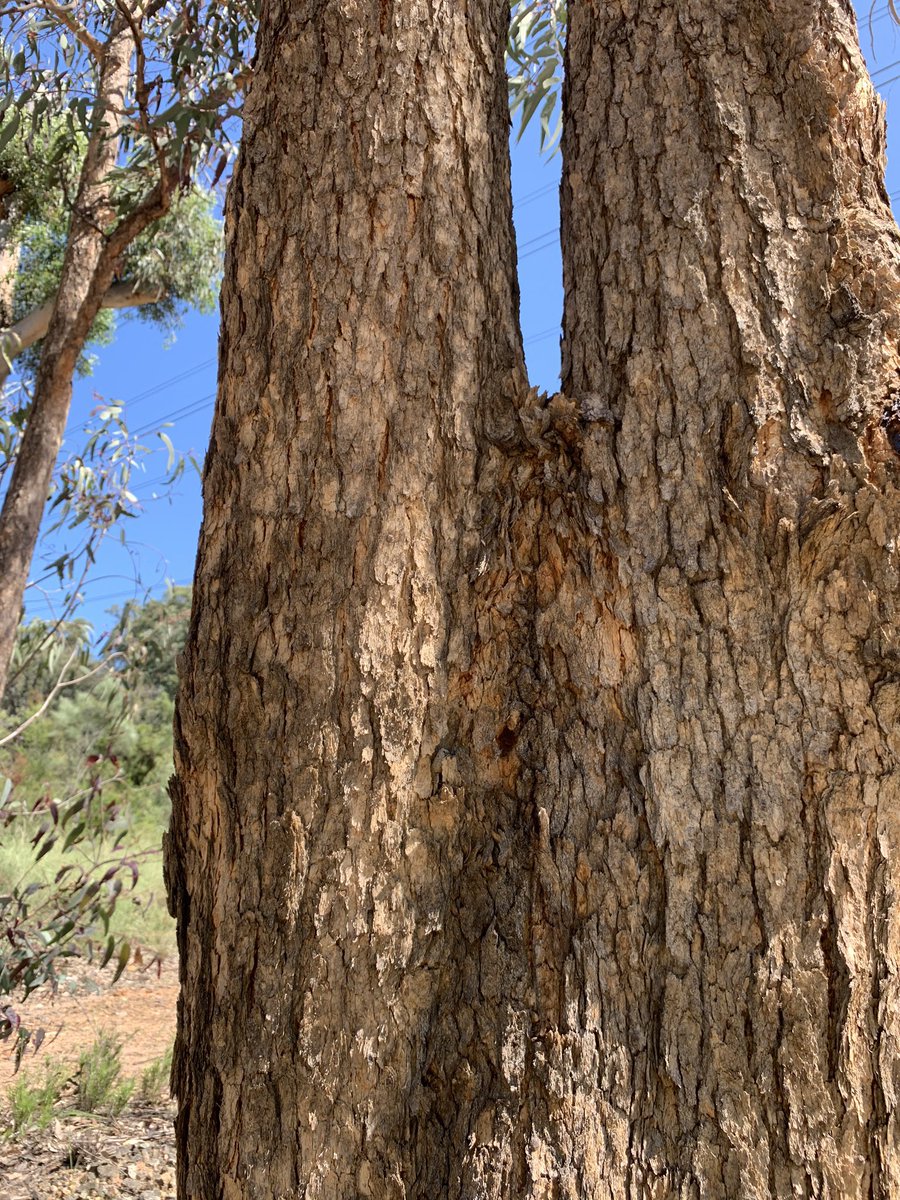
(61, 683)
(66, 15)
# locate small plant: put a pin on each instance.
(154, 1085)
(44, 921)
(98, 1082)
(31, 1101)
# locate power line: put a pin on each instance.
(530, 197)
(170, 382)
(129, 595)
(196, 406)
(539, 337)
(162, 386)
(881, 70)
(186, 410)
(534, 245)
(552, 234)
(538, 237)
(141, 487)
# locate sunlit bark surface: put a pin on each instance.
(731, 274)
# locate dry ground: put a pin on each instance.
(76, 1157)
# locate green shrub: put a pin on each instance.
(98, 1082)
(31, 1101)
(47, 918)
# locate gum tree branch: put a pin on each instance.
(32, 327)
(61, 683)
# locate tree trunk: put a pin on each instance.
(93, 245)
(327, 862)
(535, 826)
(732, 317)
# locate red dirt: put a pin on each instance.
(83, 1157)
(139, 1010)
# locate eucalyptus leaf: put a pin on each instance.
(536, 49)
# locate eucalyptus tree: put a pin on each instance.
(536, 825)
(173, 265)
(146, 95)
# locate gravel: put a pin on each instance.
(82, 1158)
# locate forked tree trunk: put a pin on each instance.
(535, 825)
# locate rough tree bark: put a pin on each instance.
(535, 823)
(321, 834)
(731, 273)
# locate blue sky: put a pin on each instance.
(176, 384)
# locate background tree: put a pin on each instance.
(83, 795)
(174, 265)
(126, 711)
(151, 89)
(151, 636)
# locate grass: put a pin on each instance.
(154, 1085)
(32, 1098)
(99, 1086)
(94, 1085)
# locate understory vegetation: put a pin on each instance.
(95, 1084)
(83, 801)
